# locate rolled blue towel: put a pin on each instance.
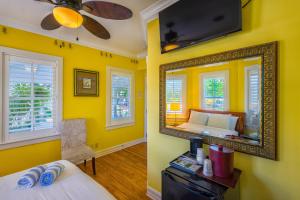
(51, 173)
(31, 177)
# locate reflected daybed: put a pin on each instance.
(214, 123)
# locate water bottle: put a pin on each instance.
(207, 168)
(200, 156)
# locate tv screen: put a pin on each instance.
(189, 22)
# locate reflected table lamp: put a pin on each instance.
(175, 107)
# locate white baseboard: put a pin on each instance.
(153, 194)
(118, 147)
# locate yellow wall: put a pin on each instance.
(262, 179)
(91, 108)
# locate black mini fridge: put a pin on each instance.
(179, 185)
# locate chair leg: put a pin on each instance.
(94, 165)
(84, 162)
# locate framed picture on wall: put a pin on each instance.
(86, 83)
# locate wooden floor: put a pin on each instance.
(123, 173)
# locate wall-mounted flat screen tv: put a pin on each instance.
(188, 22)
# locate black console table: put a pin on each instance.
(179, 185)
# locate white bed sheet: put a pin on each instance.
(206, 130)
(72, 184)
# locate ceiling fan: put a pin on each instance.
(67, 13)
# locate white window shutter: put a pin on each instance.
(32, 95)
(174, 93)
(253, 99)
(120, 94)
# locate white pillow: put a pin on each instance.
(198, 118)
(232, 123)
(219, 121)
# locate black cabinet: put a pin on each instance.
(178, 185)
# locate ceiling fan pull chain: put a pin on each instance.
(77, 37)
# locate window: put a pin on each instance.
(120, 98)
(252, 94)
(31, 95)
(175, 94)
(214, 87)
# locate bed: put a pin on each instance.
(205, 129)
(72, 184)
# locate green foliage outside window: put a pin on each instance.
(21, 104)
(214, 88)
(214, 93)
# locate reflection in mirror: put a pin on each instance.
(220, 100)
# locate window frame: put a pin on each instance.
(26, 138)
(183, 77)
(110, 123)
(216, 74)
(246, 89)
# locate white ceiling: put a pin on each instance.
(126, 35)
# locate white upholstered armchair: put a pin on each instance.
(73, 141)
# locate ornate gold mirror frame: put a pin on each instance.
(268, 53)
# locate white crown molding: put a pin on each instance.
(34, 29)
(143, 54)
(151, 12)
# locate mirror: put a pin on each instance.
(223, 98)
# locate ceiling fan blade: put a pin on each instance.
(75, 1)
(49, 23)
(95, 28)
(107, 10)
(47, 1)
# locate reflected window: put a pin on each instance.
(214, 91)
(252, 94)
(175, 94)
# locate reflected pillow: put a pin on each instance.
(219, 121)
(198, 118)
(232, 123)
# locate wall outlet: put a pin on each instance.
(96, 145)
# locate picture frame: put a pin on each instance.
(86, 83)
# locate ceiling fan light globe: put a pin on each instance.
(67, 17)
